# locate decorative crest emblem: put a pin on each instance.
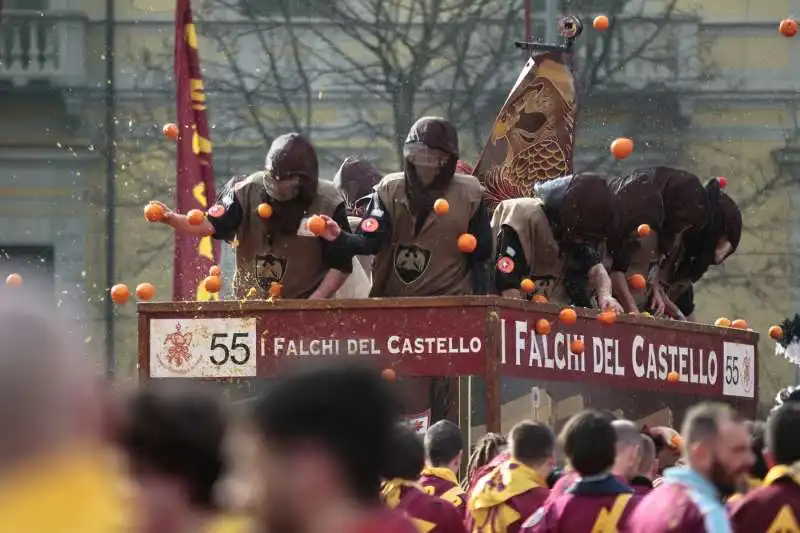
(178, 357)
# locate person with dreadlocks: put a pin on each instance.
(700, 247)
(416, 250)
(273, 243)
(555, 240)
(489, 452)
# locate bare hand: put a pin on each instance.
(332, 229)
(608, 302)
(657, 303)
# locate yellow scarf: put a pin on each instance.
(229, 524)
(452, 495)
(390, 494)
(76, 491)
(783, 471)
(488, 503)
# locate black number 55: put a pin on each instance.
(238, 352)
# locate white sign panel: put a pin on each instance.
(535, 397)
(739, 370)
(203, 348)
(419, 422)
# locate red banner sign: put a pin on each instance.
(195, 186)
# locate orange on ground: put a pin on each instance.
(154, 213)
(215, 271)
(275, 289)
(607, 317)
(622, 148)
(441, 206)
(527, 286)
(722, 322)
(212, 284)
(388, 374)
(739, 323)
(14, 280)
(542, 326)
(568, 316)
(637, 282)
(120, 293)
(145, 291)
(600, 22)
(776, 333)
(316, 225)
(467, 243)
(788, 27)
(540, 298)
(576, 346)
(171, 131)
(195, 217)
(264, 210)
(643, 230)
(673, 377)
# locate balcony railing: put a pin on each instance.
(43, 47)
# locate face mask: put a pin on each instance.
(282, 190)
(426, 161)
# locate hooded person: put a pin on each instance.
(701, 248)
(416, 250)
(555, 239)
(278, 248)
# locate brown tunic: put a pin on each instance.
(428, 264)
(527, 218)
(644, 261)
(293, 260)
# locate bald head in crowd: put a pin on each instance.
(47, 389)
(629, 448)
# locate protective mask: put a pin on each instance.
(282, 190)
(426, 161)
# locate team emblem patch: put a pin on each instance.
(270, 269)
(411, 262)
(216, 211)
(369, 225)
(505, 265)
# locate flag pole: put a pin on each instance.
(111, 185)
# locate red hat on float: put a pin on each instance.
(463, 168)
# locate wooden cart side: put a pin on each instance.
(144, 346)
(492, 373)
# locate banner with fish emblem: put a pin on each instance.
(532, 137)
(195, 178)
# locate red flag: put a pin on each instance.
(195, 184)
(532, 137)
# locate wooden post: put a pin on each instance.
(492, 350)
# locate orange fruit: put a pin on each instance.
(388, 374)
(540, 298)
(264, 210)
(568, 316)
(212, 284)
(195, 217)
(441, 206)
(154, 213)
(215, 271)
(722, 322)
(120, 293)
(316, 225)
(739, 323)
(637, 282)
(576, 346)
(542, 326)
(145, 291)
(467, 243)
(171, 131)
(527, 286)
(275, 289)
(673, 377)
(643, 230)
(788, 27)
(607, 317)
(622, 148)
(776, 333)
(14, 280)
(600, 22)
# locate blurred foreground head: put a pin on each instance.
(318, 447)
(49, 395)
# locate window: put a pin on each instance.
(33, 263)
(282, 8)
